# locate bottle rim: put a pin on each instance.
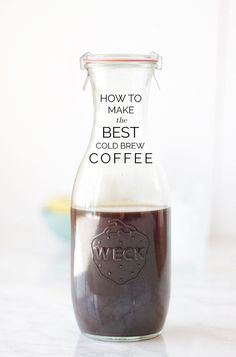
(89, 58)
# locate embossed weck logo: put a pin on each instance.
(119, 252)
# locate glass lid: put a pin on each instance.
(89, 58)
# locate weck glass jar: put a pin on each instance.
(120, 209)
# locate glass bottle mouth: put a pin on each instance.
(89, 58)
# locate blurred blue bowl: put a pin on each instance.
(57, 217)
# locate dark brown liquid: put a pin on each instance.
(123, 286)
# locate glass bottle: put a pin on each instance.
(120, 209)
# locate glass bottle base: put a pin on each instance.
(122, 338)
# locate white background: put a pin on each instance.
(45, 123)
(45, 118)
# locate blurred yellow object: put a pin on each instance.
(59, 205)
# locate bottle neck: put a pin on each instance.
(120, 94)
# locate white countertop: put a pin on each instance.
(36, 315)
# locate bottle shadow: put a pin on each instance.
(154, 347)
